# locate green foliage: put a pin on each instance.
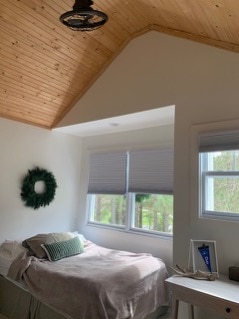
(110, 209)
(152, 211)
(156, 213)
(226, 161)
(226, 188)
(139, 198)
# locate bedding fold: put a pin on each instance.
(99, 283)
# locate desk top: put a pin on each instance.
(222, 288)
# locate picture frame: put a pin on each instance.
(203, 256)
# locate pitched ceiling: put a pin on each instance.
(46, 68)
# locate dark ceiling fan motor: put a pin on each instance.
(83, 17)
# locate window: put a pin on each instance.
(219, 175)
(153, 212)
(132, 191)
(108, 209)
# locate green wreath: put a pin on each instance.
(28, 193)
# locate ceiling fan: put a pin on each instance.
(83, 17)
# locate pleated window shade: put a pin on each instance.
(218, 141)
(151, 171)
(144, 171)
(107, 174)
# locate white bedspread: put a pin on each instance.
(98, 284)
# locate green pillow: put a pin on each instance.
(62, 249)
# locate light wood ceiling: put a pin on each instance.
(46, 67)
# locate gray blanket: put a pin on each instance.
(98, 284)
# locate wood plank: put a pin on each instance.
(44, 64)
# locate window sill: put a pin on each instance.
(135, 231)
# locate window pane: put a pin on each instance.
(222, 194)
(225, 161)
(154, 212)
(109, 209)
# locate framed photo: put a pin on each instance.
(203, 256)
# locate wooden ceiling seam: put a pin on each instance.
(46, 68)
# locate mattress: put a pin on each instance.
(16, 302)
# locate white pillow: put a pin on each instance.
(11, 249)
(82, 238)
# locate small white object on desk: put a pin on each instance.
(221, 295)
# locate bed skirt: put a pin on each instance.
(17, 303)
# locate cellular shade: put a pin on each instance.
(107, 173)
(218, 141)
(151, 171)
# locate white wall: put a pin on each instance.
(202, 82)
(138, 139)
(22, 148)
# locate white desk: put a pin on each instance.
(221, 296)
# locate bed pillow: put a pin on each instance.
(34, 243)
(9, 251)
(82, 238)
(12, 249)
(62, 249)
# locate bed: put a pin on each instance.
(55, 277)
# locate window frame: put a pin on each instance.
(196, 131)
(129, 220)
(158, 181)
(204, 173)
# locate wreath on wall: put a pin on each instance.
(28, 192)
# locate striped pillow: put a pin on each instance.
(62, 249)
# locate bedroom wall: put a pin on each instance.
(137, 139)
(202, 82)
(24, 147)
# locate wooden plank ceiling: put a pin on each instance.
(45, 67)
